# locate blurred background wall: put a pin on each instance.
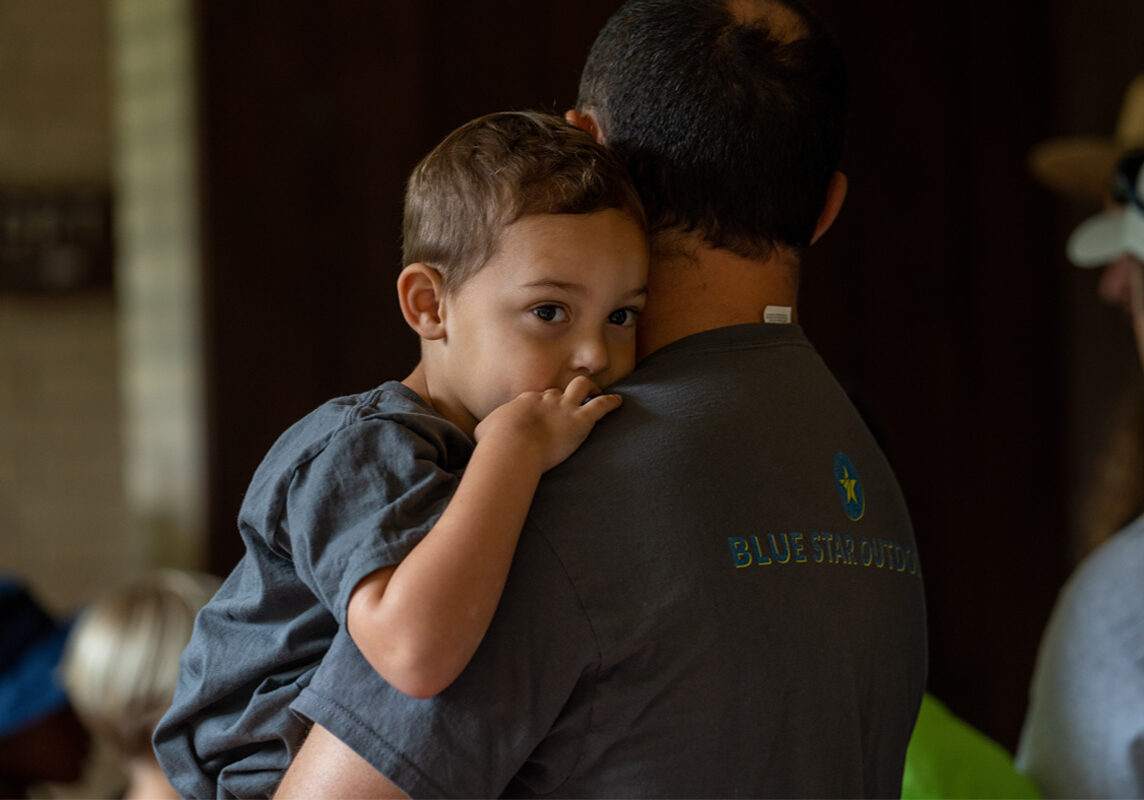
(101, 431)
(62, 509)
(248, 157)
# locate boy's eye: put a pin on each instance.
(622, 316)
(550, 313)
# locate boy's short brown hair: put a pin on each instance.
(492, 171)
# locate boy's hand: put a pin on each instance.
(549, 425)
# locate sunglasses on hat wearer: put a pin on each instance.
(1124, 188)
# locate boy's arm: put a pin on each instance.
(418, 623)
(326, 767)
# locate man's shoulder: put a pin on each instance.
(707, 386)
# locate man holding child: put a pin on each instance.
(650, 641)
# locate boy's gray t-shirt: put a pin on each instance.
(719, 594)
(350, 488)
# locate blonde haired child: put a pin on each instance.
(121, 663)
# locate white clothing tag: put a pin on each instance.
(777, 315)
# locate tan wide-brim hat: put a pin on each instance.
(1081, 167)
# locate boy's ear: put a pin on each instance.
(420, 293)
(585, 121)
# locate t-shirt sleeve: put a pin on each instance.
(488, 730)
(362, 502)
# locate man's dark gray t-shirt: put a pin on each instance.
(348, 489)
(719, 594)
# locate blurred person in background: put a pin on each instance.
(1084, 732)
(122, 661)
(1080, 169)
(41, 738)
(947, 757)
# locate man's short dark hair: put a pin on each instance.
(731, 120)
(492, 171)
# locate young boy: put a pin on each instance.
(526, 267)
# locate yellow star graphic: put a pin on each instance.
(848, 483)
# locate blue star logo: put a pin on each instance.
(849, 487)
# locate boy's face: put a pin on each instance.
(559, 298)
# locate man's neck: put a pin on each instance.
(695, 288)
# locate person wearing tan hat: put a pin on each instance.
(1084, 732)
(1080, 168)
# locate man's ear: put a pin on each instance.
(420, 292)
(835, 194)
(585, 121)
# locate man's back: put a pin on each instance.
(719, 595)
